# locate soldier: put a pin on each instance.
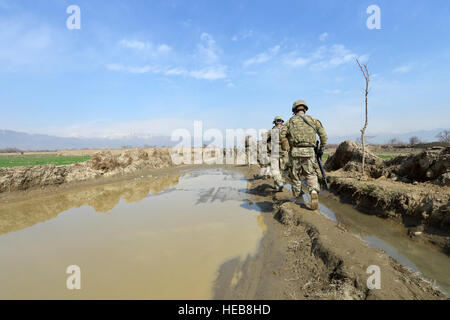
(273, 146)
(299, 137)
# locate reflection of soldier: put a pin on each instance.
(299, 136)
(273, 146)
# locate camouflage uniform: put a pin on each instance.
(302, 140)
(276, 162)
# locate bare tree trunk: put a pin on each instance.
(366, 75)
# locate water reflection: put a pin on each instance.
(21, 215)
(168, 246)
(391, 238)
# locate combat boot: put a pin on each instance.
(278, 188)
(298, 198)
(314, 200)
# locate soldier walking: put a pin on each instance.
(277, 163)
(298, 137)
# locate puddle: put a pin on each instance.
(386, 235)
(390, 237)
(151, 238)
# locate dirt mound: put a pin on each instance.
(22, 178)
(430, 165)
(349, 153)
(412, 189)
(161, 154)
(103, 163)
(130, 156)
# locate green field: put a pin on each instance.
(35, 160)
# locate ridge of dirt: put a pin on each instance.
(102, 164)
(427, 166)
(412, 190)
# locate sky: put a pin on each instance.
(143, 67)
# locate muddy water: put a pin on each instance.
(386, 235)
(151, 238)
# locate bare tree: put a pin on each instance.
(394, 142)
(414, 141)
(444, 136)
(366, 75)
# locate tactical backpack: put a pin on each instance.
(302, 132)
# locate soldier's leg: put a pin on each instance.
(310, 174)
(312, 181)
(264, 172)
(296, 178)
(276, 173)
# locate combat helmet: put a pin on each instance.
(277, 118)
(299, 103)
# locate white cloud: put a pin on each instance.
(207, 52)
(324, 57)
(145, 47)
(23, 43)
(207, 73)
(403, 69)
(295, 61)
(242, 36)
(128, 69)
(164, 48)
(210, 73)
(263, 57)
(323, 36)
(175, 72)
(335, 56)
(135, 44)
(207, 49)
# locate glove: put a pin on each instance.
(285, 144)
(284, 160)
(286, 157)
(320, 152)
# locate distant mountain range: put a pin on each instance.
(28, 142)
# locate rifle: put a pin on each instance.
(319, 161)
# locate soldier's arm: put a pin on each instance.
(283, 138)
(322, 134)
(268, 136)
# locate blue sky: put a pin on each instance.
(148, 67)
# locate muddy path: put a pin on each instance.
(307, 255)
(260, 245)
